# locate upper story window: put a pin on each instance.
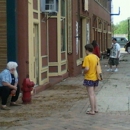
(85, 5)
(104, 3)
(49, 6)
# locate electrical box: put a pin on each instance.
(49, 6)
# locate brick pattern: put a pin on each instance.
(3, 35)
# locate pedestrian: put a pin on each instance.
(96, 49)
(9, 85)
(114, 56)
(90, 77)
(127, 47)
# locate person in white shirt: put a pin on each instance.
(114, 55)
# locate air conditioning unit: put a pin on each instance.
(49, 6)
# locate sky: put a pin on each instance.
(124, 10)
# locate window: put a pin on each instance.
(123, 39)
(63, 26)
(62, 8)
(86, 5)
(103, 3)
(49, 6)
(62, 34)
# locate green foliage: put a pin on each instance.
(121, 28)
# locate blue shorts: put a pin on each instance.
(90, 83)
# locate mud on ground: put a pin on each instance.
(53, 100)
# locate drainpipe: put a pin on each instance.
(11, 30)
(78, 19)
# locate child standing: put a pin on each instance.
(90, 77)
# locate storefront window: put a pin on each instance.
(62, 34)
(63, 26)
(63, 8)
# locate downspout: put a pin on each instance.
(11, 30)
(78, 19)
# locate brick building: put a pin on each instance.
(47, 37)
(91, 20)
(3, 34)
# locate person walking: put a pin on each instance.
(127, 47)
(114, 56)
(90, 77)
(9, 85)
(96, 49)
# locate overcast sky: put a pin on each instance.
(124, 10)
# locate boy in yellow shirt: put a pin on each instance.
(90, 77)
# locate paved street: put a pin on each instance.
(113, 97)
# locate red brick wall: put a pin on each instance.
(53, 40)
(3, 36)
(22, 35)
(95, 9)
(73, 69)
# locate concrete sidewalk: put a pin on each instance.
(113, 96)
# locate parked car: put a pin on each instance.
(122, 41)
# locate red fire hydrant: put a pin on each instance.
(26, 89)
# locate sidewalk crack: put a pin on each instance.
(128, 104)
(107, 108)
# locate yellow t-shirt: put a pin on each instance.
(90, 61)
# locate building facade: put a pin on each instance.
(47, 37)
(3, 35)
(91, 20)
(100, 12)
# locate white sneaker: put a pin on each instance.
(109, 70)
(116, 70)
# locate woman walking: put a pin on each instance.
(90, 77)
(96, 49)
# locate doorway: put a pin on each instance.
(35, 54)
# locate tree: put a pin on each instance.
(121, 28)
